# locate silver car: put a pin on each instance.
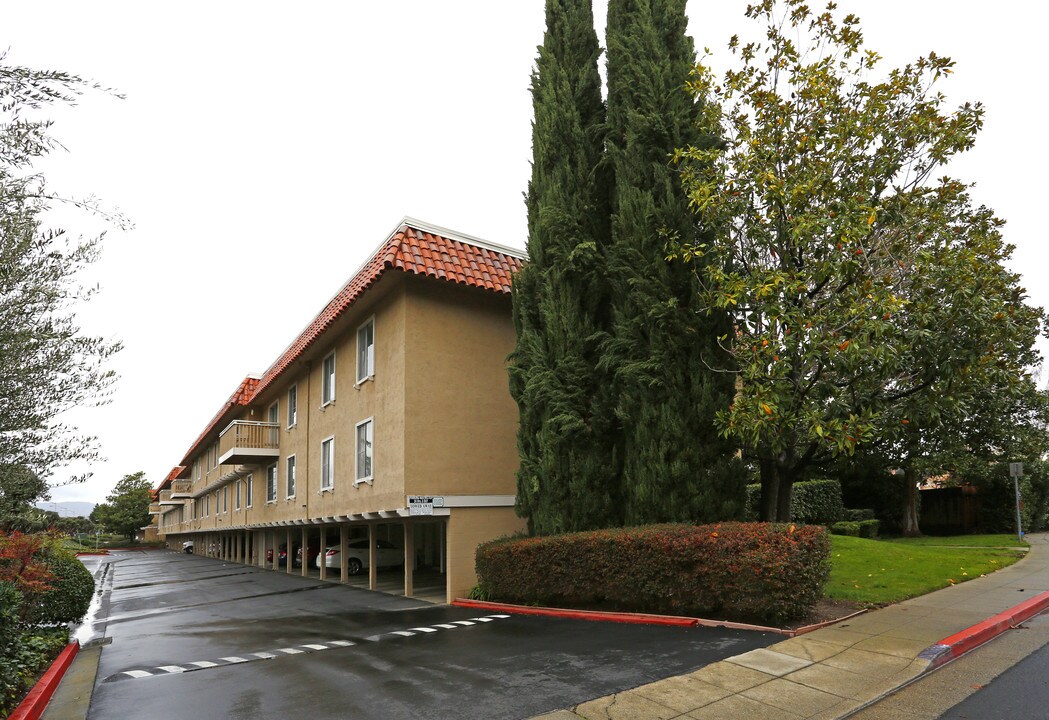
(387, 554)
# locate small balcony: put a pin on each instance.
(154, 508)
(180, 489)
(249, 443)
(166, 499)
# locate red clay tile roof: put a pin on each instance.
(414, 247)
(175, 472)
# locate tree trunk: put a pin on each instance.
(910, 503)
(786, 491)
(769, 490)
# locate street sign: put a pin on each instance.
(423, 504)
(1016, 469)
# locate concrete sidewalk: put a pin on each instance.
(832, 672)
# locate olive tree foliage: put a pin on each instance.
(47, 366)
(845, 263)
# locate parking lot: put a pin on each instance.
(189, 636)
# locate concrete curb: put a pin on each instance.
(33, 706)
(972, 637)
(619, 617)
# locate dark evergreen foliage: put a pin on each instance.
(567, 437)
(662, 347)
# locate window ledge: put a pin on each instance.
(363, 481)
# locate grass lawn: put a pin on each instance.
(880, 571)
(962, 540)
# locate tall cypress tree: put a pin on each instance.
(662, 350)
(568, 478)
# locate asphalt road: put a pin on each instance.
(192, 637)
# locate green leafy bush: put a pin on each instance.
(71, 589)
(869, 528)
(816, 502)
(22, 660)
(846, 527)
(744, 571)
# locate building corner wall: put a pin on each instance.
(468, 528)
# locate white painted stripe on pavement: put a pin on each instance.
(172, 668)
(464, 622)
(204, 664)
(425, 630)
(264, 655)
(501, 617)
(290, 651)
(403, 633)
(315, 647)
(234, 659)
(482, 619)
(342, 643)
(447, 627)
(138, 673)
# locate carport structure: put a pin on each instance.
(387, 420)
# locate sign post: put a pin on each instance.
(1016, 471)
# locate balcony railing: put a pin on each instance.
(165, 498)
(249, 443)
(180, 489)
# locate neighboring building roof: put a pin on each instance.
(413, 247)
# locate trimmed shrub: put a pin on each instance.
(756, 571)
(816, 502)
(859, 515)
(846, 527)
(70, 593)
(869, 528)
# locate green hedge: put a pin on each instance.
(70, 593)
(856, 528)
(814, 501)
(858, 515)
(742, 571)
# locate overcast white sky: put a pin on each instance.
(264, 149)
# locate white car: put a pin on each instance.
(387, 554)
(187, 547)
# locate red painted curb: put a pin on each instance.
(33, 706)
(962, 642)
(633, 618)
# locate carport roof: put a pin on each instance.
(414, 247)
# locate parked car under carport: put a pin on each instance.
(387, 555)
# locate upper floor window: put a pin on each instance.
(207, 505)
(291, 476)
(271, 483)
(236, 496)
(366, 350)
(328, 380)
(365, 437)
(247, 486)
(328, 464)
(274, 413)
(293, 401)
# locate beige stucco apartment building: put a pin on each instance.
(394, 395)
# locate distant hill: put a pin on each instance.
(67, 509)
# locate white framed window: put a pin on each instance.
(236, 496)
(196, 468)
(328, 463)
(271, 483)
(193, 503)
(207, 505)
(225, 499)
(273, 415)
(365, 450)
(247, 487)
(328, 380)
(366, 350)
(293, 402)
(291, 476)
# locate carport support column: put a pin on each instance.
(261, 558)
(305, 552)
(373, 577)
(287, 558)
(344, 536)
(322, 556)
(409, 558)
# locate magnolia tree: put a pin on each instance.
(868, 297)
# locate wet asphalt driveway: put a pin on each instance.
(192, 637)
